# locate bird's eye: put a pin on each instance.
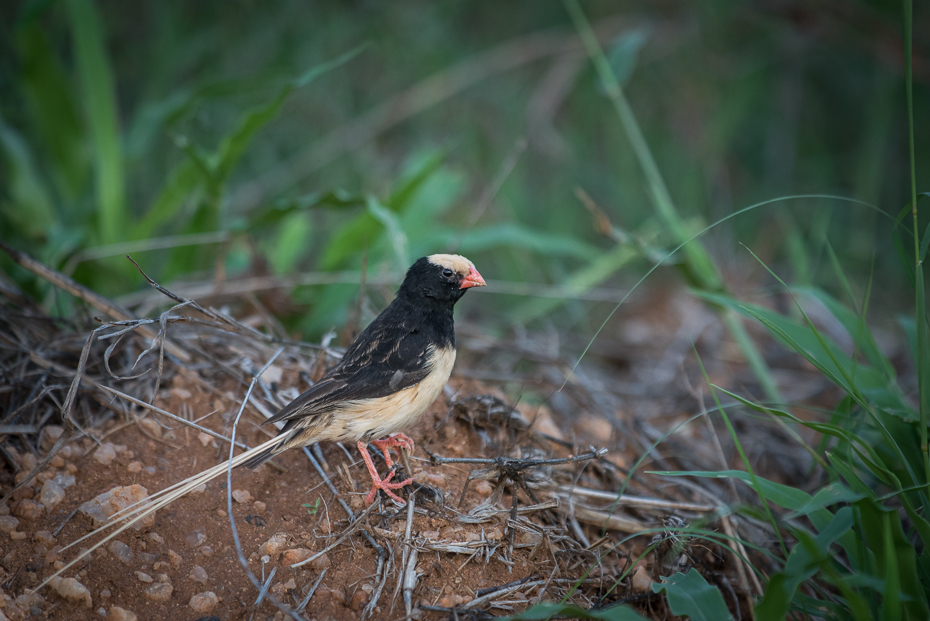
(447, 273)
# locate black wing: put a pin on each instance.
(387, 357)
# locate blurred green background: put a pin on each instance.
(297, 139)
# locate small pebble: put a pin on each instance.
(71, 468)
(174, 558)
(105, 593)
(484, 488)
(147, 559)
(199, 489)
(296, 555)
(150, 470)
(50, 435)
(436, 478)
(155, 537)
(163, 578)
(161, 566)
(8, 523)
(26, 491)
(108, 503)
(159, 592)
(65, 480)
(321, 563)
(69, 588)
(203, 603)
(326, 594)
(121, 614)
(241, 495)
(29, 510)
(259, 507)
(144, 577)
(134, 467)
(359, 599)
(151, 426)
(206, 551)
(18, 535)
(45, 538)
(204, 438)
(121, 551)
(198, 574)
(105, 454)
(29, 463)
(57, 462)
(195, 538)
(641, 580)
(181, 393)
(273, 546)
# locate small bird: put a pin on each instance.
(387, 378)
(393, 371)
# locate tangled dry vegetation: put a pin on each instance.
(513, 505)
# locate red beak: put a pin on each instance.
(473, 279)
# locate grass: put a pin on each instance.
(206, 147)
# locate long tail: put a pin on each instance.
(142, 509)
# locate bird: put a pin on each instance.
(392, 372)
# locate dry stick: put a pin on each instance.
(168, 414)
(232, 521)
(348, 531)
(83, 293)
(382, 553)
(312, 590)
(638, 501)
(408, 582)
(66, 408)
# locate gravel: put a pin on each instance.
(205, 602)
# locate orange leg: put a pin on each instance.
(376, 481)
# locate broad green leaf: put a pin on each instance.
(392, 226)
(99, 95)
(690, 595)
(53, 110)
(549, 610)
(30, 208)
(624, 51)
(291, 242)
(211, 172)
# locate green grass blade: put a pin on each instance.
(27, 205)
(99, 95)
(53, 110)
(701, 267)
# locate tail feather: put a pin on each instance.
(142, 509)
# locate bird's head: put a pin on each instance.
(444, 277)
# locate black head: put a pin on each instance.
(441, 277)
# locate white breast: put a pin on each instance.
(377, 418)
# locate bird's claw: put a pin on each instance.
(386, 485)
(399, 440)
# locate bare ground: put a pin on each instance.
(571, 539)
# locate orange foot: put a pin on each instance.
(376, 481)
